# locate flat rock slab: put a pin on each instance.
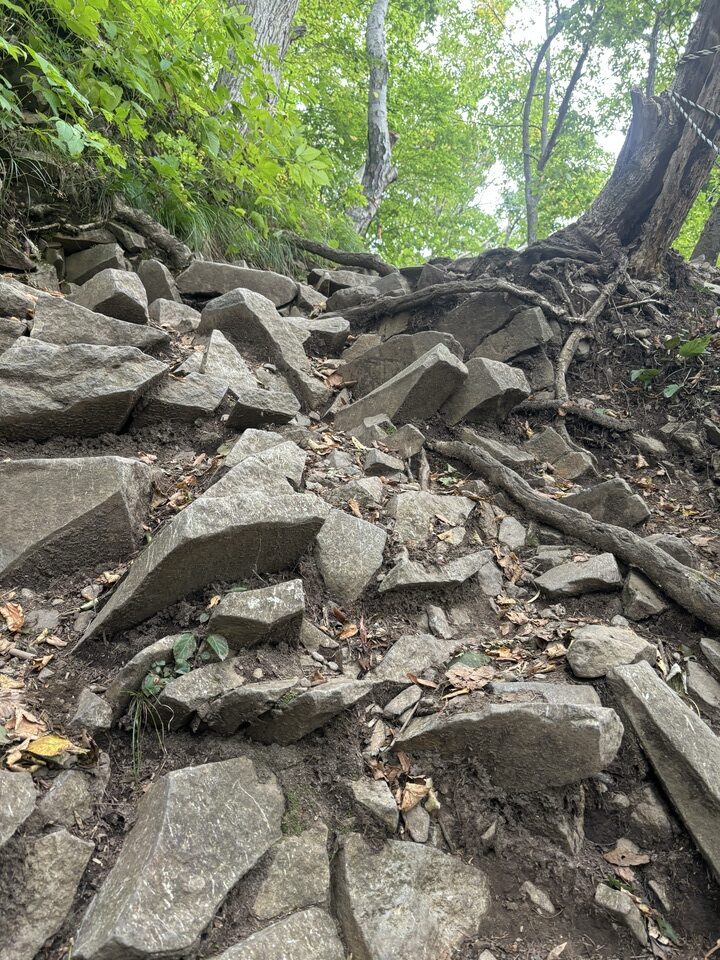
(241, 705)
(54, 865)
(596, 575)
(198, 830)
(184, 399)
(298, 876)
(76, 390)
(416, 393)
(182, 697)
(307, 935)
(384, 361)
(525, 746)
(61, 321)
(215, 538)
(115, 293)
(17, 802)
(611, 501)
(81, 266)
(254, 407)
(71, 513)
(205, 278)
(279, 468)
(251, 442)
(417, 514)
(296, 716)
(681, 748)
(492, 389)
(270, 615)
(406, 900)
(596, 648)
(348, 552)
(413, 653)
(412, 575)
(527, 331)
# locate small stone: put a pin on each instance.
(651, 445)
(598, 574)
(17, 802)
(184, 696)
(269, 615)
(438, 622)
(73, 795)
(538, 897)
(372, 430)
(413, 653)
(622, 908)
(298, 877)
(411, 575)
(417, 823)
(93, 713)
(678, 547)
(405, 700)
(349, 552)
(703, 688)
(512, 533)
(526, 331)
(597, 648)
(640, 599)
(375, 797)
(407, 442)
(379, 464)
(649, 817)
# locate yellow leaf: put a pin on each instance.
(53, 745)
(13, 616)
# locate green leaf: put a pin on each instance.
(644, 374)
(218, 645)
(670, 390)
(184, 647)
(693, 348)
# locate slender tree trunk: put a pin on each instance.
(272, 21)
(708, 245)
(378, 172)
(663, 164)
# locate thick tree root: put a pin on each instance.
(576, 410)
(348, 258)
(178, 255)
(689, 588)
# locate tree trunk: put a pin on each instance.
(663, 164)
(272, 22)
(708, 245)
(378, 172)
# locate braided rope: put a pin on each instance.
(674, 99)
(691, 103)
(696, 54)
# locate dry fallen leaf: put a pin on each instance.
(626, 854)
(13, 615)
(557, 951)
(349, 630)
(412, 795)
(355, 507)
(51, 746)
(556, 650)
(474, 678)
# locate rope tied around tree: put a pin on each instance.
(697, 54)
(675, 99)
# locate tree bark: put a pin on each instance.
(348, 258)
(663, 164)
(378, 172)
(708, 245)
(272, 21)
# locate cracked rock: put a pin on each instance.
(60, 321)
(596, 648)
(270, 615)
(296, 716)
(349, 552)
(307, 935)
(298, 877)
(491, 390)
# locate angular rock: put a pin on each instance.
(507, 453)
(681, 748)
(81, 266)
(525, 746)
(73, 795)
(611, 501)
(308, 935)
(596, 648)
(430, 274)
(93, 713)
(417, 823)
(381, 363)
(254, 407)
(239, 705)
(711, 651)
(249, 318)
(489, 393)
(296, 716)
(407, 442)
(17, 802)
(328, 282)
(115, 293)
(416, 393)
(10, 330)
(180, 851)
(279, 466)
(529, 691)
(596, 575)
(131, 241)
(185, 399)
(205, 278)
(373, 430)
(62, 321)
(309, 299)
(416, 513)
(548, 446)
(649, 817)
(298, 877)
(411, 575)
(77, 390)
(526, 331)
(406, 900)
(703, 688)
(360, 345)
(182, 697)
(270, 615)
(222, 360)
(158, 282)
(622, 908)
(215, 538)
(512, 533)
(367, 491)
(677, 547)
(413, 653)
(17, 299)
(538, 897)
(349, 552)
(82, 512)
(54, 865)
(128, 679)
(379, 464)
(375, 797)
(325, 335)
(174, 316)
(640, 599)
(477, 317)
(341, 300)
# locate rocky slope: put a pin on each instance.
(279, 680)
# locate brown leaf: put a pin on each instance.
(355, 507)
(626, 874)
(13, 615)
(473, 678)
(350, 630)
(556, 650)
(626, 854)
(412, 795)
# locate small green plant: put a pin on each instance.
(679, 351)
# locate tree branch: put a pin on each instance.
(348, 258)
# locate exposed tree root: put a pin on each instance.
(177, 253)
(689, 588)
(577, 410)
(348, 258)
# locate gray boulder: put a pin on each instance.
(413, 653)
(17, 299)
(526, 746)
(307, 935)
(596, 648)
(328, 281)
(526, 331)
(128, 679)
(640, 599)
(92, 713)
(406, 442)
(379, 464)
(682, 749)
(611, 501)
(115, 293)
(81, 266)
(204, 278)
(677, 547)
(181, 852)
(325, 335)
(375, 797)
(18, 802)
(416, 393)
(379, 364)
(491, 390)
(215, 538)
(477, 317)
(222, 360)
(704, 689)
(412, 575)
(596, 575)
(548, 446)
(348, 552)
(158, 282)
(185, 399)
(76, 390)
(507, 453)
(184, 696)
(251, 442)
(417, 513)
(177, 317)
(298, 877)
(406, 900)
(279, 468)
(10, 330)
(294, 717)
(254, 407)
(61, 321)
(238, 705)
(71, 514)
(711, 651)
(270, 615)
(309, 299)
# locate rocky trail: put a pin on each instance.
(371, 615)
